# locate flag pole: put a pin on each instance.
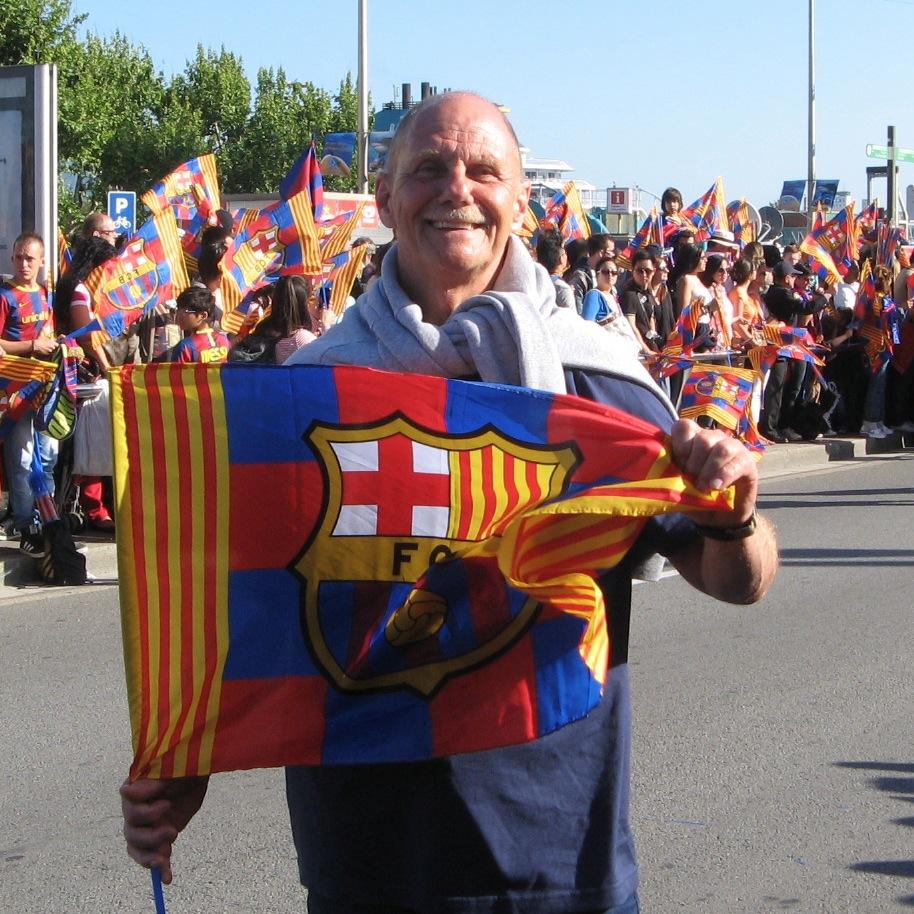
(811, 176)
(157, 893)
(363, 97)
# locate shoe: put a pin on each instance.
(874, 430)
(105, 524)
(774, 437)
(906, 428)
(888, 432)
(32, 543)
(8, 529)
(791, 435)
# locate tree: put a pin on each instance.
(216, 86)
(37, 31)
(286, 116)
(110, 97)
(121, 124)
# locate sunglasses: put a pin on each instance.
(191, 310)
(645, 270)
(609, 272)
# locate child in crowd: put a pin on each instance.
(196, 308)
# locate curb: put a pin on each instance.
(803, 456)
(18, 574)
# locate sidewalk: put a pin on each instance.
(18, 573)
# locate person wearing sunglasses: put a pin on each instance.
(600, 304)
(639, 305)
(196, 308)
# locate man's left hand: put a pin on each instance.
(715, 461)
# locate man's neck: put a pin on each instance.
(438, 298)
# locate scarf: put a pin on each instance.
(515, 333)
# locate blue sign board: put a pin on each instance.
(122, 210)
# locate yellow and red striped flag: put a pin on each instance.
(417, 577)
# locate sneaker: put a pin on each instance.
(906, 428)
(886, 430)
(8, 529)
(791, 435)
(32, 543)
(874, 430)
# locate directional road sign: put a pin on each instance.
(882, 152)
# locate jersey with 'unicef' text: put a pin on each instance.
(24, 313)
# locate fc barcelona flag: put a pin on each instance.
(305, 175)
(650, 232)
(282, 239)
(149, 270)
(708, 214)
(191, 188)
(23, 382)
(337, 565)
(719, 392)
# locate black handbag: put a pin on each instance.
(255, 348)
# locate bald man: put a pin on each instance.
(541, 827)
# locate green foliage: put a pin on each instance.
(36, 31)
(122, 124)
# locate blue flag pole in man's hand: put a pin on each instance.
(157, 893)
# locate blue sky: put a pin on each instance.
(653, 94)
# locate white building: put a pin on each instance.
(550, 175)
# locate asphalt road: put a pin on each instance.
(774, 768)
(774, 760)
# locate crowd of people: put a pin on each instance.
(737, 290)
(284, 316)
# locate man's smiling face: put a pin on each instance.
(454, 193)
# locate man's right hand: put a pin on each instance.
(155, 813)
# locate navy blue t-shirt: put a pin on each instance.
(539, 828)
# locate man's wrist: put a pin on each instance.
(730, 534)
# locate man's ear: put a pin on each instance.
(520, 205)
(382, 200)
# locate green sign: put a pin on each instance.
(882, 152)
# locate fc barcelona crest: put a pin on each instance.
(134, 285)
(399, 503)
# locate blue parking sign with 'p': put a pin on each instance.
(122, 210)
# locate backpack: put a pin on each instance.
(255, 348)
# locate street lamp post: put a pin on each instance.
(362, 145)
(811, 175)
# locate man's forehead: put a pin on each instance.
(459, 124)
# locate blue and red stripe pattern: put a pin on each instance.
(339, 565)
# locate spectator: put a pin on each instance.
(687, 287)
(290, 318)
(201, 343)
(584, 278)
(782, 387)
(73, 309)
(662, 296)
(873, 425)
(26, 329)
(747, 311)
(600, 303)
(791, 255)
(720, 311)
(671, 206)
(551, 254)
(846, 290)
(639, 305)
